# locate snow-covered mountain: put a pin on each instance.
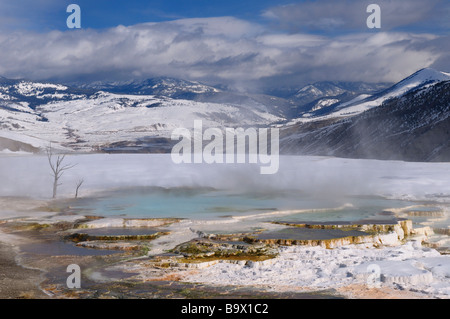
(102, 120)
(411, 122)
(363, 102)
(315, 99)
(25, 93)
(321, 98)
(421, 78)
(160, 86)
(195, 91)
(318, 90)
(33, 114)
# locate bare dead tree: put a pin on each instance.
(58, 168)
(79, 183)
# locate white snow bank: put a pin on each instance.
(393, 272)
(409, 267)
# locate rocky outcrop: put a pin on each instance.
(200, 253)
(81, 237)
(377, 234)
(226, 237)
(442, 231)
(432, 213)
(126, 246)
(397, 226)
(389, 239)
(204, 248)
(128, 222)
(202, 263)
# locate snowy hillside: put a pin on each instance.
(312, 92)
(161, 86)
(94, 122)
(33, 114)
(20, 94)
(422, 78)
(413, 126)
(322, 98)
(195, 91)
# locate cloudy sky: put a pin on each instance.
(248, 45)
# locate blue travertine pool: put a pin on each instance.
(200, 203)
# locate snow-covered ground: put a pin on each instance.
(408, 267)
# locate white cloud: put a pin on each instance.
(225, 50)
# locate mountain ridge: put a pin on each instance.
(86, 119)
(412, 127)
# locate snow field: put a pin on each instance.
(406, 267)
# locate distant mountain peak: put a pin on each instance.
(416, 80)
(162, 86)
(428, 75)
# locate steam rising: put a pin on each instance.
(321, 177)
